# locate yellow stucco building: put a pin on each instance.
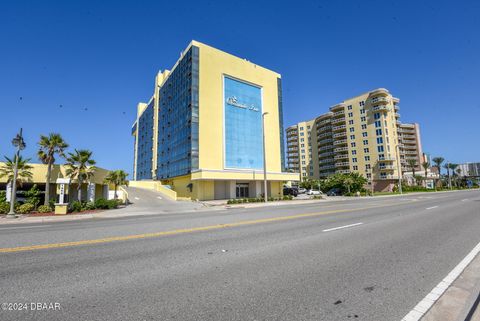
(201, 131)
(92, 190)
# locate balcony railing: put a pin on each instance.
(340, 142)
(338, 135)
(342, 164)
(341, 156)
(341, 149)
(337, 128)
(342, 171)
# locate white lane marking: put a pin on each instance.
(465, 200)
(137, 198)
(341, 227)
(423, 306)
(159, 197)
(18, 227)
(431, 208)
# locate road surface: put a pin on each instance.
(360, 259)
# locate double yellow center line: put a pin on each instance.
(178, 231)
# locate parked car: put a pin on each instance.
(290, 191)
(334, 192)
(313, 192)
(302, 190)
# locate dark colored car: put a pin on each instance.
(290, 191)
(334, 192)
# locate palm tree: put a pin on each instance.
(24, 170)
(426, 166)
(80, 166)
(412, 163)
(453, 167)
(48, 147)
(118, 177)
(447, 167)
(348, 182)
(438, 164)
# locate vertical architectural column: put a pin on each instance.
(91, 192)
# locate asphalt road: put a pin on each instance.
(362, 259)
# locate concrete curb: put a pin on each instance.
(456, 303)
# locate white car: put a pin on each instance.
(302, 190)
(313, 192)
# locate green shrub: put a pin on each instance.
(111, 204)
(3, 196)
(33, 196)
(4, 208)
(25, 208)
(89, 206)
(44, 209)
(101, 204)
(76, 206)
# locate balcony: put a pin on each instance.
(340, 142)
(341, 149)
(387, 159)
(342, 171)
(324, 122)
(292, 155)
(342, 164)
(379, 100)
(337, 107)
(325, 141)
(380, 108)
(396, 106)
(341, 156)
(386, 167)
(324, 129)
(397, 115)
(324, 167)
(324, 134)
(326, 147)
(326, 161)
(325, 154)
(340, 135)
(337, 128)
(386, 177)
(338, 120)
(338, 113)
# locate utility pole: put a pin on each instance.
(399, 168)
(265, 194)
(19, 143)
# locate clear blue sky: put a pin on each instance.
(98, 59)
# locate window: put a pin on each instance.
(349, 107)
(362, 103)
(302, 145)
(376, 116)
(365, 142)
(353, 144)
(366, 150)
(367, 158)
(354, 160)
(363, 118)
(303, 151)
(352, 129)
(302, 139)
(350, 122)
(368, 166)
(355, 167)
(303, 162)
(354, 152)
(350, 114)
(362, 111)
(379, 132)
(364, 134)
(301, 134)
(352, 137)
(378, 124)
(379, 140)
(364, 126)
(369, 175)
(303, 156)
(380, 149)
(301, 128)
(308, 127)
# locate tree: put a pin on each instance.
(447, 167)
(412, 163)
(348, 182)
(33, 196)
(438, 164)
(24, 170)
(80, 166)
(117, 178)
(49, 146)
(453, 167)
(426, 166)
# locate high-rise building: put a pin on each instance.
(201, 131)
(362, 134)
(410, 147)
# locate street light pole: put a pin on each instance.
(264, 159)
(20, 144)
(399, 168)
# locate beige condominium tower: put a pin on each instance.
(362, 134)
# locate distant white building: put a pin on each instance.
(469, 169)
